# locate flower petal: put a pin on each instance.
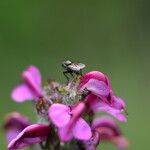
(15, 119)
(65, 134)
(35, 73)
(22, 93)
(97, 87)
(117, 102)
(121, 142)
(82, 130)
(101, 120)
(93, 142)
(109, 131)
(14, 124)
(32, 83)
(59, 114)
(30, 135)
(94, 75)
(11, 134)
(31, 87)
(104, 107)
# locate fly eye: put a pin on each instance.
(68, 62)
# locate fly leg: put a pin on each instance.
(71, 74)
(80, 72)
(65, 74)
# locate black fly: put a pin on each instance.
(72, 68)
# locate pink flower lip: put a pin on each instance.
(69, 122)
(97, 83)
(98, 105)
(94, 75)
(97, 87)
(32, 134)
(30, 89)
(79, 130)
(93, 142)
(15, 119)
(32, 83)
(109, 131)
(59, 114)
(14, 124)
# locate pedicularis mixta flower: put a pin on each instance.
(31, 86)
(66, 112)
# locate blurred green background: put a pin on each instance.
(110, 36)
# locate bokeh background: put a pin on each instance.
(110, 36)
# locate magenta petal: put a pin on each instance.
(94, 75)
(82, 130)
(15, 119)
(109, 131)
(11, 134)
(65, 134)
(121, 142)
(97, 87)
(114, 112)
(59, 114)
(119, 116)
(31, 87)
(30, 135)
(117, 102)
(93, 142)
(104, 107)
(32, 84)
(14, 124)
(35, 74)
(22, 93)
(101, 120)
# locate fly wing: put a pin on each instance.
(76, 66)
(81, 65)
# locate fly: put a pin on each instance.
(72, 68)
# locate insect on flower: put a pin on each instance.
(72, 68)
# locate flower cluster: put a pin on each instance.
(66, 113)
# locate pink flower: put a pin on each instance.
(30, 88)
(20, 133)
(93, 142)
(96, 82)
(32, 134)
(99, 85)
(109, 131)
(14, 124)
(98, 105)
(105, 129)
(69, 122)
